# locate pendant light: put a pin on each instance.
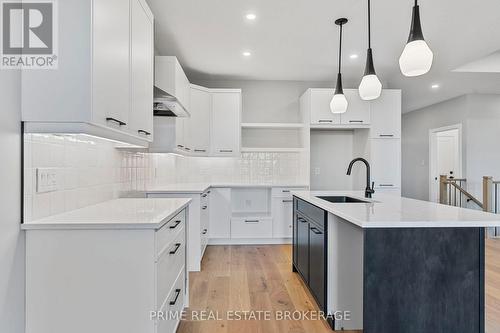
(370, 87)
(417, 57)
(339, 102)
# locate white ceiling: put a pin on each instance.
(297, 40)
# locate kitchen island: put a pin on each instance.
(395, 264)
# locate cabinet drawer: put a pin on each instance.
(284, 192)
(172, 306)
(167, 233)
(311, 211)
(252, 227)
(169, 264)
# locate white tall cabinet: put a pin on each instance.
(226, 113)
(104, 79)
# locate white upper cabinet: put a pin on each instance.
(321, 113)
(358, 111)
(199, 122)
(225, 127)
(142, 55)
(386, 163)
(386, 115)
(171, 79)
(111, 61)
(104, 46)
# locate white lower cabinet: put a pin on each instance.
(115, 278)
(220, 213)
(252, 227)
(282, 217)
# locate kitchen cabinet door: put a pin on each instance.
(386, 163)
(220, 213)
(226, 127)
(321, 113)
(282, 217)
(386, 115)
(141, 115)
(358, 111)
(302, 240)
(110, 62)
(199, 122)
(317, 267)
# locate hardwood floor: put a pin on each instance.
(243, 278)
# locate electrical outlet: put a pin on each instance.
(317, 171)
(46, 180)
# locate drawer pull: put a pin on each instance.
(177, 246)
(187, 149)
(176, 224)
(204, 195)
(204, 207)
(287, 200)
(302, 220)
(285, 191)
(386, 135)
(386, 185)
(177, 293)
(200, 150)
(204, 232)
(119, 122)
(143, 132)
(208, 192)
(225, 150)
(180, 146)
(251, 221)
(325, 121)
(356, 121)
(316, 231)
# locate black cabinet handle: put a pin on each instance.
(176, 224)
(325, 121)
(143, 132)
(302, 220)
(204, 195)
(177, 246)
(316, 231)
(177, 293)
(204, 232)
(180, 146)
(188, 149)
(285, 191)
(386, 135)
(356, 121)
(386, 185)
(287, 200)
(251, 221)
(200, 150)
(204, 207)
(208, 192)
(225, 150)
(119, 122)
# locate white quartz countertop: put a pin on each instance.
(126, 213)
(202, 187)
(391, 211)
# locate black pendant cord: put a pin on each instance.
(340, 49)
(370, 27)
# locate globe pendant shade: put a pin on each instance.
(416, 58)
(338, 103)
(370, 87)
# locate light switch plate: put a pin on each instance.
(46, 180)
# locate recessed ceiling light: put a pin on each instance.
(251, 16)
(353, 56)
(435, 86)
(247, 54)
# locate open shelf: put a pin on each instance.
(273, 125)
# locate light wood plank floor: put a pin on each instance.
(260, 278)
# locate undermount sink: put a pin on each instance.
(342, 199)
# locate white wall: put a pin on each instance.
(480, 116)
(11, 238)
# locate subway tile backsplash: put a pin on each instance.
(90, 170)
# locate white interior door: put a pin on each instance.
(445, 158)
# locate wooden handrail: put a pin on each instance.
(467, 194)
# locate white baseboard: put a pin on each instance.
(249, 241)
